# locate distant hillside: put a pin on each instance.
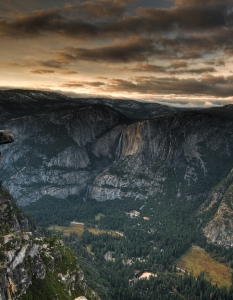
(19, 103)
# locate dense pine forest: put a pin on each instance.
(151, 242)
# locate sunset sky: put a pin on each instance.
(176, 51)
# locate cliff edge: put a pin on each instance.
(33, 266)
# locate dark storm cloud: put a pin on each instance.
(73, 84)
(29, 25)
(201, 2)
(69, 72)
(229, 50)
(52, 63)
(136, 49)
(176, 68)
(148, 68)
(217, 80)
(184, 38)
(218, 86)
(48, 71)
(146, 21)
(178, 64)
(41, 71)
(20, 65)
(104, 8)
(194, 46)
(207, 85)
(192, 71)
(217, 62)
(46, 22)
(183, 45)
(184, 17)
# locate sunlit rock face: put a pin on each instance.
(181, 151)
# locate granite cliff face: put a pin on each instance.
(64, 147)
(61, 145)
(51, 152)
(183, 146)
(27, 256)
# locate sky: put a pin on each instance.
(177, 52)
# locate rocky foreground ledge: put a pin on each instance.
(6, 137)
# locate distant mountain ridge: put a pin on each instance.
(23, 102)
(97, 148)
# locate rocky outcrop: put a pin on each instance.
(27, 255)
(219, 230)
(6, 137)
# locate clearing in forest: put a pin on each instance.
(79, 229)
(97, 217)
(197, 260)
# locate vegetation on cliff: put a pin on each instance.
(33, 266)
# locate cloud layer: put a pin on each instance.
(184, 47)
